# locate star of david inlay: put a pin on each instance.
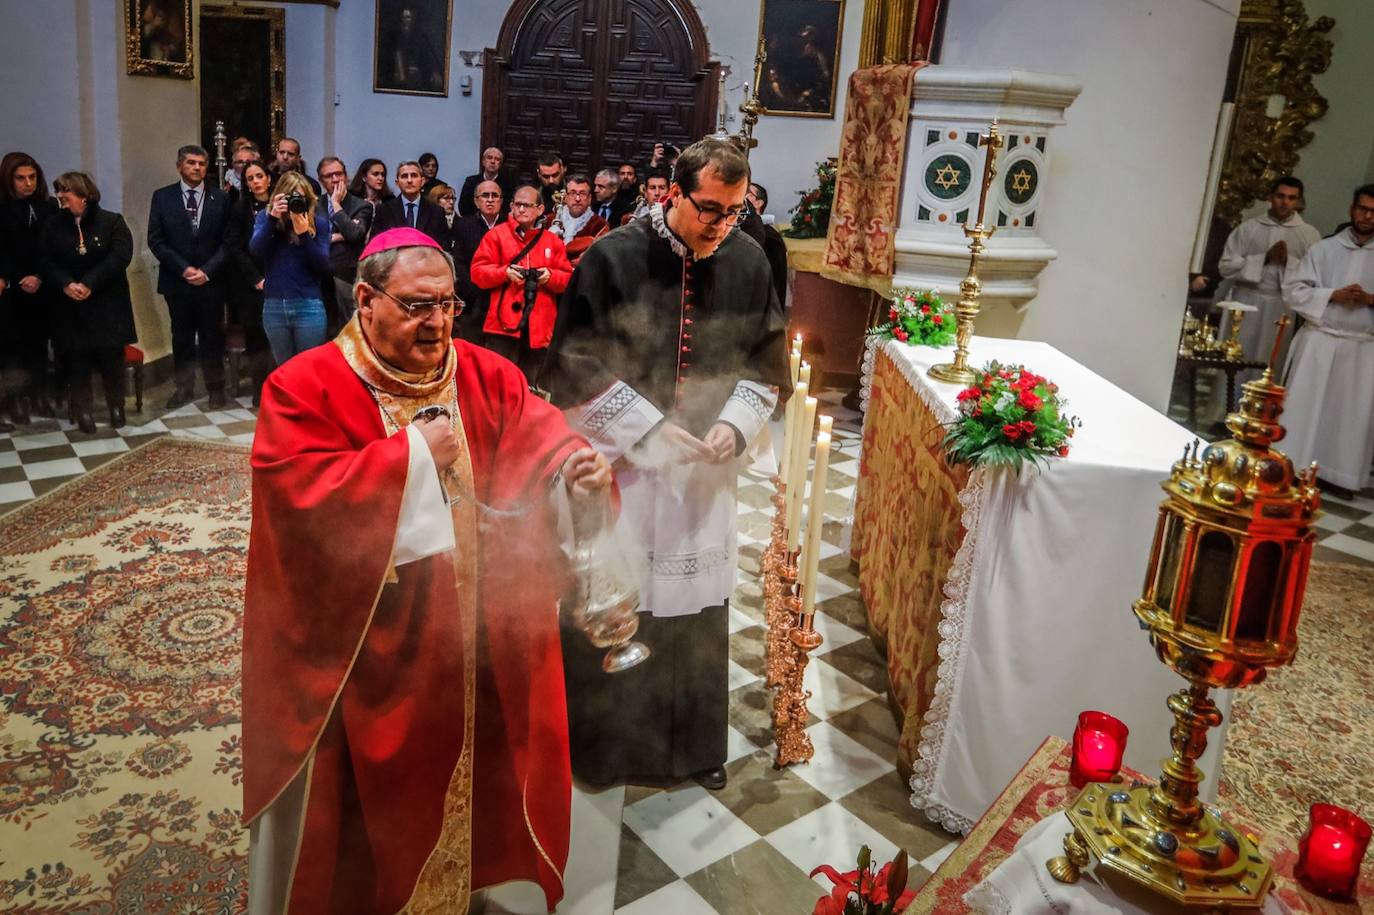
(948, 177)
(1021, 181)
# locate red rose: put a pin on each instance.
(925, 309)
(969, 394)
(1029, 401)
(938, 320)
(892, 314)
(1063, 451)
(901, 334)
(1027, 428)
(1012, 431)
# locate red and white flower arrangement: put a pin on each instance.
(1007, 416)
(917, 316)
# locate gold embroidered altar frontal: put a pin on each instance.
(907, 531)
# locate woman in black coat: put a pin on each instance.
(25, 302)
(85, 251)
(245, 286)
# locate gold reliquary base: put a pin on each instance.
(1209, 864)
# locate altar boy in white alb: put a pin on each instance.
(1330, 410)
(1259, 254)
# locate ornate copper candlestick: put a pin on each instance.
(1223, 591)
(958, 372)
(789, 707)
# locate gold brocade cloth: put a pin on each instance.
(860, 241)
(907, 529)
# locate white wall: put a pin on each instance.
(1127, 173)
(1341, 155)
(39, 109)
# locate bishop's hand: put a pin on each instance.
(442, 442)
(586, 472)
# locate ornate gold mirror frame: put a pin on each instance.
(1273, 61)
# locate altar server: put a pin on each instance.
(1259, 253)
(1330, 408)
(404, 733)
(668, 355)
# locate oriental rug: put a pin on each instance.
(1306, 734)
(121, 599)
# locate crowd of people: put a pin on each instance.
(273, 254)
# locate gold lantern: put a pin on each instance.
(1222, 596)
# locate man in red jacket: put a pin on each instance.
(517, 262)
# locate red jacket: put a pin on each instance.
(488, 271)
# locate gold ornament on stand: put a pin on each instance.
(752, 106)
(958, 372)
(1223, 592)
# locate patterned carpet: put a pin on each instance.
(1306, 734)
(120, 605)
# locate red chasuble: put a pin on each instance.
(424, 703)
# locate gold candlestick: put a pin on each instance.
(753, 106)
(958, 372)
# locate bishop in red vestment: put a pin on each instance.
(404, 724)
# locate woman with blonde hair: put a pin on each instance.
(291, 240)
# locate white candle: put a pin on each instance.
(794, 406)
(815, 521)
(788, 421)
(805, 375)
(795, 361)
(800, 454)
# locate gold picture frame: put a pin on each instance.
(799, 77)
(158, 38)
(412, 58)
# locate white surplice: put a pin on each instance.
(1255, 282)
(1329, 413)
(685, 514)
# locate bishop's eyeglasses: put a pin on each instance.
(423, 310)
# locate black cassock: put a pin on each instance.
(646, 335)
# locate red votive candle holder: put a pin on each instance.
(1330, 852)
(1099, 742)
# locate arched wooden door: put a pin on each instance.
(599, 81)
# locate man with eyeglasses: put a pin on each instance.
(403, 691)
(492, 160)
(1330, 411)
(468, 233)
(668, 355)
(607, 201)
(350, 221)
(524, 267)
(579, 225)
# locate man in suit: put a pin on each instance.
(288, 159)
(186, 234)
(410, 208)
(608, 203)
(350, 219)
(489, 202)
(551, 170)
(492, 159)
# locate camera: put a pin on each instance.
(297, 203)
(531, 275)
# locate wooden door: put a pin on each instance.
(599, 81)
(243, 74)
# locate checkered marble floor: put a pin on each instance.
(748, 847)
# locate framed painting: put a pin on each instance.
(158, 38)
(802, 41)
(411, 47)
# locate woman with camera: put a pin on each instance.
(84, 252)
(291, 240)
(245, 291)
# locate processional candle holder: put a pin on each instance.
(752, 106)
(220, 141)
(958, 371)
(1223, 591)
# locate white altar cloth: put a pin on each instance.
(1037, 623)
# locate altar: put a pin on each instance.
(1002, 603)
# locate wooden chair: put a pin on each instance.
(133, 360)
